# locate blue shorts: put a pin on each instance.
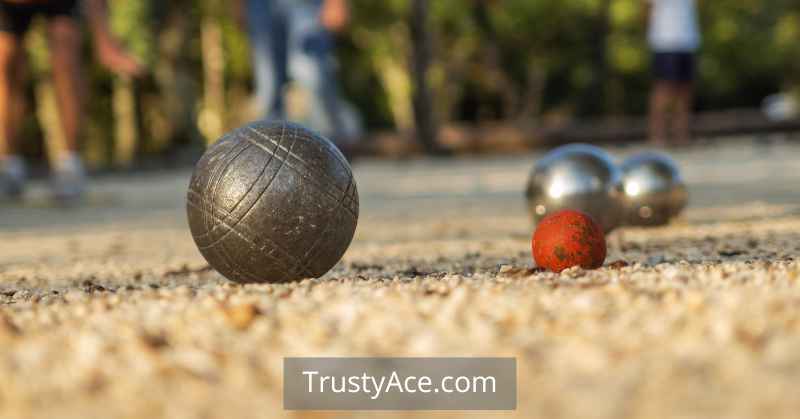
(674, 66)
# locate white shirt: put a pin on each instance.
(673, 26)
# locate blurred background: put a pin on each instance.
(494, 76)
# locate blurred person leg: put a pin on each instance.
(267, 27)
(69, 176)
(660, 100)
(671, 98)
(64, 36)
(684, 98)
(682, 127)
(108, 49)
(674, 37)
(65, 45)
(14, 21)
(12, 92)
(312, 65)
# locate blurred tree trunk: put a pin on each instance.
(170, 111)
(422, 100)
(47, 112)
(534, 90)
(395, 80)
(132, 22)
(46, 104)
(596, 99)
(493, 62)
(126, 128)
(392, 69)
(212, 117)
(381, 45)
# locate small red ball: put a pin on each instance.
(568, 238)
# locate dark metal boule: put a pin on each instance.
(272, 202)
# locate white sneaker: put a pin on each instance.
(69, 178)
(13, 175)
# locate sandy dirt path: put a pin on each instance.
(110, 311)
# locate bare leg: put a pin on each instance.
(683, 113)
(69, 178)
(12, 70)
(660, 100)
(65, 42)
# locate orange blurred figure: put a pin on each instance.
(674, 38)
(64, 38)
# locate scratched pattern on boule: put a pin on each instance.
(290, 259)
(221, 248)
(310, 173)
(286, 263)
(259, 242)
(348, 195)
(347, 200)
(230, 221)
(308, 258)
(232, 212)
(213, 179)
(217, 170)
(253, 240)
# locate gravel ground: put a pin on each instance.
(109, 310)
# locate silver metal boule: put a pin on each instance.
(580, 177)
(654, 191)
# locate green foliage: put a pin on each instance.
(491, 59)
(132, 22)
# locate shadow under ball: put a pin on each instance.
(654, 189)
(579, 177)
(272, 202)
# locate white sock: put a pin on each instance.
(70, 162)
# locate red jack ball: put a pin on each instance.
(568, 238)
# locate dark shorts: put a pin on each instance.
(673, 66)
(15, 18)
